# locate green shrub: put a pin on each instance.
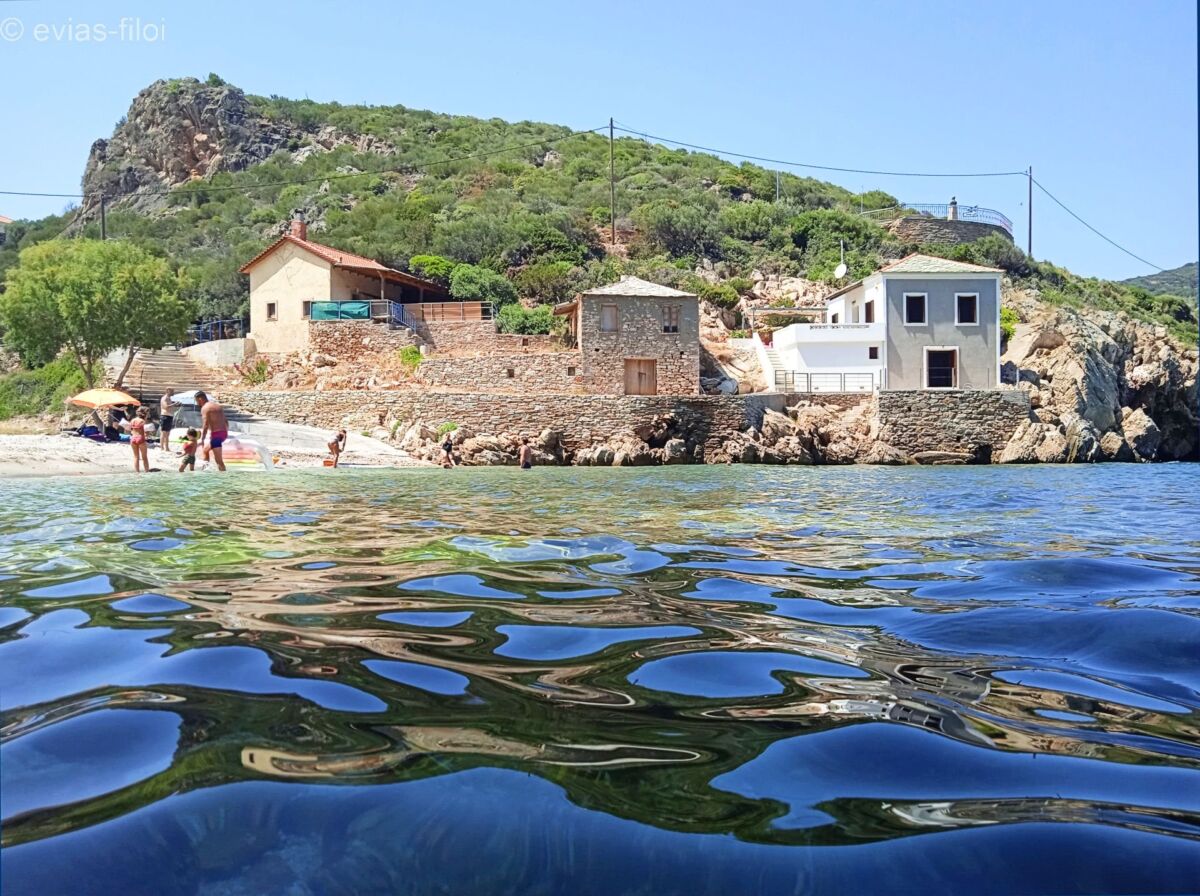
(44, 390)
(739, 334)
(446, 427)
(547, 281)
(256, 372)
(526, 321)
(1008, 323)
(677, 228)
(410, 358)
(469, 283)
(432, 267)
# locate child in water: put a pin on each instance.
(190, 443)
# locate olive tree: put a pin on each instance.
(90, 298)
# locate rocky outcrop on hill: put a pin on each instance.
(176, 131)
(1102, 387)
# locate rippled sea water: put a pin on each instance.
(573, 681)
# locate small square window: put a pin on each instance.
(307, 311)
(609, 319)
(271, 311)
(509, 373)
(524, 341)
(570, 371)
(967, 309)
(670, 318)
(833, 318)
(873, 353)
(914, 308)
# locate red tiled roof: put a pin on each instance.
(4, 220)
(339, 259)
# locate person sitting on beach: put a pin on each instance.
(215, 426)
(525, 455)
(137, 439)
(337, 445)
(190, 442)
(447, 452)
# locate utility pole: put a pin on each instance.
(103, 220)
(612, 184)
(1029, 243)
(776, 185)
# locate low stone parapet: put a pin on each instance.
(350, 339)
(975, 422)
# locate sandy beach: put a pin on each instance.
(24, 456)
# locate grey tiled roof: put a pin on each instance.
(928, 264)
(635, 286)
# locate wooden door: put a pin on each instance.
(641, 376)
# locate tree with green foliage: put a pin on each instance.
(546, 281)
(469, 283)
(90, 298)
(678, 228)
(528, 321)
(432, 267)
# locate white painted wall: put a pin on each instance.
(289, 277)
(218, 353)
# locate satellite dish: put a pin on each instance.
(840, 271)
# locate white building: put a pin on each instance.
(917, 323)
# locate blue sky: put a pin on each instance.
(1100, 97)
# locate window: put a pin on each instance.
(914, 308)
(833, 318)
(941, 368)
(608, 318)
(570, 371)
(271, 311)
(966, 308)
(509, 373)
(873, 353)
(869, 313)
(670, 318)
(307, 312)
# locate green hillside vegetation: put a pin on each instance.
(1180, 281)
(533, 220)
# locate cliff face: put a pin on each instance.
(177, 131)
(1102, 386)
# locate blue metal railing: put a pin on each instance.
(212, 330)
(975, 213)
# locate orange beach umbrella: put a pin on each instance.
(102, 398)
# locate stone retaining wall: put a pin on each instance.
(922, 229)
(524, 372)
(350, 339)
(476, 337)
(961, 421)
(583, 420)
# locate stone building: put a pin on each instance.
(636, 338)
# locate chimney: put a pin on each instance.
(298, 228)
(952, 213)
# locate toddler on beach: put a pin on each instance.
(190, 443)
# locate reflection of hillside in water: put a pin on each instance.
(511, 651)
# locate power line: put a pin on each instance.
(742, 155)
(1094, 230)
(403, 169)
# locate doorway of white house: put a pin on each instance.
(941, 368)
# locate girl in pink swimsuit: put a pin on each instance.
(137, 440)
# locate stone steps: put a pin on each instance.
(153, 372)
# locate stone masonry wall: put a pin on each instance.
(922, 229)
(523, 372)
(582, 419)
(478, 337)
(640, 335)
(924, 420)
(350, 339)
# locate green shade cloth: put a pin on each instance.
(341, 311)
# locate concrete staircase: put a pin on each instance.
(774, 363)
(153, 371)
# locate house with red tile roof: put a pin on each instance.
(296, 280)
(4, 222)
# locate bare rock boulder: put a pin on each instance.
(1142, 435)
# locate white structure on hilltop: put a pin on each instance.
(917, 323)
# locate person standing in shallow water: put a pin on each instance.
(525, 455)
(137, 440)
(447, 452)
(214, 425)
(337, 445)
(167, 408)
